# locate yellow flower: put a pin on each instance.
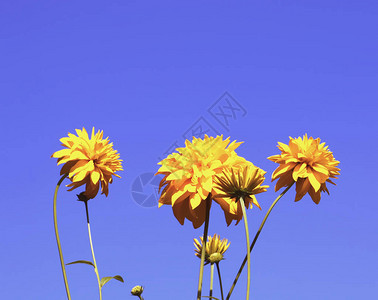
(307, 162)
(215, 248)
(88, 161)
(189, 174)
(234, 183)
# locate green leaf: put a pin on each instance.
(82, 262)
(106, 279)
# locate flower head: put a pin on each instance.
(307, 162)
(88, 161)
(244, 181)
(189, 175)
(215, 248)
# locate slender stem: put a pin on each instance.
(211, 279)
(140, 297)
(93, 255)
(220, 280)
(247, 241)
(255, 239)
(204, 240)
(58, 240)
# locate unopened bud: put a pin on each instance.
(137, 290)
(215, 258)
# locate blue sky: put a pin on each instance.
(145, 72)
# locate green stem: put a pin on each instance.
(93, 255)
(58, 240)
(220, 280)
(211, 279)
(204, 240)
(247, 241)
(255, 239)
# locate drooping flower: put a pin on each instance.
(189, 175)
(88, 161)
(214, 250)
(234, 183)
(307, 162)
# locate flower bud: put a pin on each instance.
(215, 257)
(137, 290)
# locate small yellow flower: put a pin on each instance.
(215, 248)
(307, 162)
(88, 161)
(234, 183)
(189, 175)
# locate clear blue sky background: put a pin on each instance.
(145, 72)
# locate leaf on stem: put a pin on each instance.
(82, 262)
(106, 279)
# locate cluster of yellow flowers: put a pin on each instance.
(189, 178)
(203, 171)
(206, 168)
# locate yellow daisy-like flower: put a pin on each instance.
(215, 248)
(189, 175)
(234, 183)
(307, 162)
(88, 161)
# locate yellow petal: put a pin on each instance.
(282, 169)
(95, 177)
(314, 182)
(321, 169)
(195, 201)
(61, 153)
